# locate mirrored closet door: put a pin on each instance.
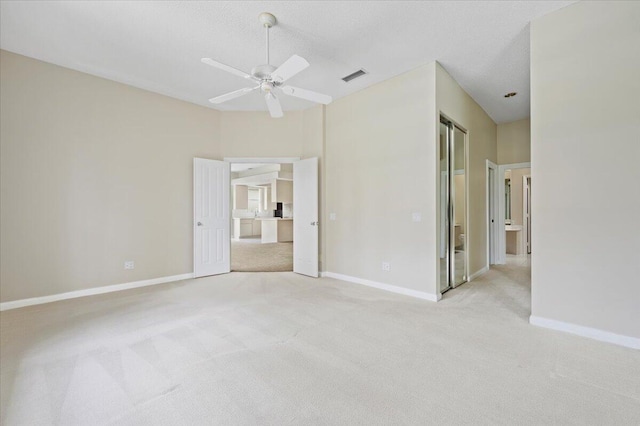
(453, 205)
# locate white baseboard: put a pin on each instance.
(388, 287)
(478, 273)
(592, 333)
(91, 291)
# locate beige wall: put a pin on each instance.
(585, 150)
(256, 134)
(381, 144)
(381, 167)
(514, 142)
(109, 152)
(457, 105)
(93, 173)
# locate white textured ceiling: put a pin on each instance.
(158, 45)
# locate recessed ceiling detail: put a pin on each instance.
(157, 46)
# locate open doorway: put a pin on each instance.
(514, 212)
(213, 220)
(262, 217)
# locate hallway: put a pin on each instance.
(505, 291)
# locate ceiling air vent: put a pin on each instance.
(354, 75)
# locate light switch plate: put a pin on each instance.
(416, 217)
(332, 216)
(129, 264)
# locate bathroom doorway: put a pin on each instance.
(514, 218)
(453, 205)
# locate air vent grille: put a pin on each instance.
(354, 75)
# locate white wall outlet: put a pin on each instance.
(332, 216)
(416, 217)
(386, 266)
(129, 264)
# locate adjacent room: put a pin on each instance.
(304, 212)
(262, 239)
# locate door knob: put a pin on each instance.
(199, 223)
(314, 223)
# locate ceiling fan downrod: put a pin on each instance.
(268, 21)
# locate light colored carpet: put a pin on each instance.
(279, 348)
(252, 256)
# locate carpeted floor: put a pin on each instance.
(280, 348)
(253, 256)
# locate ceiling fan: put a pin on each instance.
(270, 78)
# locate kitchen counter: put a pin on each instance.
(276, 229)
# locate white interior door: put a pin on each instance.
(211, 242)
(305, 217)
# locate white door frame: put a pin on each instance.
(492, 237)
(266, 160)
(501, 257)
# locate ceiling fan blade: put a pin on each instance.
(232, 95)
(275, 109)
(224, 67)
(307, 94)
(291, 67)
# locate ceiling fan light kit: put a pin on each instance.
(270, 79)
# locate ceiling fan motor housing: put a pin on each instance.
(263, 72)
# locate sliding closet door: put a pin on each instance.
(459, 201)
(444, 208)
(453, 206)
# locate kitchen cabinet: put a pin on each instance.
(241, 198)
(282, 191)
(257, 227)
(243, 228)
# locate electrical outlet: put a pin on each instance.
(386, 266)
(416, 217)
(129, 264)
(332, 216)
